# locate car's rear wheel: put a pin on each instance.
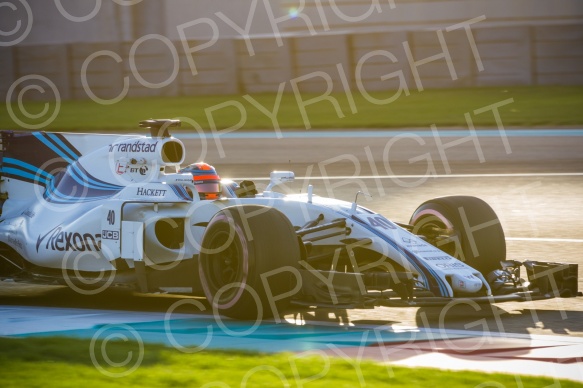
(240, 244)
(464, 227)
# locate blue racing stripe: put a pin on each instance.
(74, 155)
(422, 269)
(52, 194)
(27, 166)
(40, 136)
(82, 177)
(19, 173)
(180, 192)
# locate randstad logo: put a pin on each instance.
(137, 146)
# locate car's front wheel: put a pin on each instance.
(248, 260)
(464, 227)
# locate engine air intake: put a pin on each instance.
(172, 152)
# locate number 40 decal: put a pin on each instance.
(379, 222)
(111, 217)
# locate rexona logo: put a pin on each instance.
(58, 240)
(137, 146)
(150, 192)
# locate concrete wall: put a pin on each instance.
(42, 22)
(254, 46)
(215, 68)
(367, 15)
(70, 21)
(519, 55)
(558, 55)
(268, 68)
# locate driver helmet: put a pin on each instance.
(206, 180)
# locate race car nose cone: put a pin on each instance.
(467, 283)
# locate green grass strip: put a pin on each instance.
(61, 362)
(531, 106)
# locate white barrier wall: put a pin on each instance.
(558, 54)
(70, 21)
(367, 15)
(106, 51)
(541, 55)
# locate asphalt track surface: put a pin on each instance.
(534, 183)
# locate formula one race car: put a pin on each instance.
(94, 211)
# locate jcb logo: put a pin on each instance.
(110, 234)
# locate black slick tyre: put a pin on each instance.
(240, 244)
(476, 235)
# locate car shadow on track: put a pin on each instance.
(502, 319)
(486, 318)
(109, 299)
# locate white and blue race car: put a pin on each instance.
(95, 211)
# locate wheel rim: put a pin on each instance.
(425, 228)
(225, 265)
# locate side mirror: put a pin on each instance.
(279, 177)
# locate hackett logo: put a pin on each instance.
(151, 192)
(138, 146)
(57, 240)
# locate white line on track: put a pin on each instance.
(545, 239)
(516, 175)
(532, 239)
